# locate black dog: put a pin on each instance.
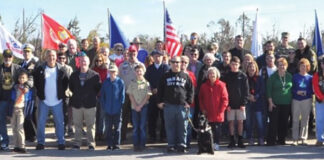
(205, 136)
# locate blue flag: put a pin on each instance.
(317, 41)
(116, 35)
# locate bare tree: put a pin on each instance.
(74, 28)
(224, 36)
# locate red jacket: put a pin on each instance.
(213, 100)
(102, 73)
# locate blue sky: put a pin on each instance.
(146, 16)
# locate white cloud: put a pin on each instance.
(128, 20)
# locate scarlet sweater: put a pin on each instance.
(213, 99)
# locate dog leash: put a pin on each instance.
(190, 121)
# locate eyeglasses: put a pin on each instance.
(119, 50)
(175, 62)
(184, 62)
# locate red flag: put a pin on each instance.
(172, 42)
(54, 33)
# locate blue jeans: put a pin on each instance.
(320, 121)
(139, 126)
(113, 127)
(175, 125)
(259, 119)
(189, 128)
(249, 121)
(58, 115)
(4, 106)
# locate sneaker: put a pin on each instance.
(109, 148)
(294, 143)
(21, 150)
(91, 148)
(216, 147)
(75, 148)
(182, 149)
(5, 147)
(318, 143)
(40, 147)
(171, 149)
(115, 148)
(61, 147)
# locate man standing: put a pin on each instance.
(194, 37)
(84, 45)
(127, 74)
(283, 49)
(85, 85)
(304, 51)
(142, 53)
(238, 50)
(51, 82)
(8, 76)
(72, 54)
(175, 94)
(153, 75)
(94, 50)
(268, 49)
(29, 64)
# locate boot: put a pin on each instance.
(240, 142)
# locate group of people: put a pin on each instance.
(107, 91)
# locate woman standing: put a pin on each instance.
(318, 84)
(302, 101)
(213, 99)
(279, 96)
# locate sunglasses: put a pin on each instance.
(184, 62)
(7, 56)
(98, 60)
(175, 62)
(119, 50)
(62, 58)
(193, 38)
(194, 54)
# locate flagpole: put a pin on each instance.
(164, 21)
(42, 35)
(109, 34)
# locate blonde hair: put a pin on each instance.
(215, 70)
(105, 60)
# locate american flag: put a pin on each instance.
(172, 42)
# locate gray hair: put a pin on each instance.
(210, 56)
(72, 42)
(215, 70)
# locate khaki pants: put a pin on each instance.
(89, 117)
(17, 124)
(300, 112)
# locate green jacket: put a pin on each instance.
(276, 91)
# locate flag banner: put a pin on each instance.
(54, 33)
(173, 45)
(317, 41)
(116, 35)
(256, 47)
(9, 42)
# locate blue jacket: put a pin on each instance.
(28, 102)
(112, 96)
(302, 83)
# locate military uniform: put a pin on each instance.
(282, 51)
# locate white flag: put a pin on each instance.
(256, 48)
(7, 41)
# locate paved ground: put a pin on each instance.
(157, 152)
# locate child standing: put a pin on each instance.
(139, 93)
(112, 97)
(20, 95)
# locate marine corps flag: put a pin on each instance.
(53, 33)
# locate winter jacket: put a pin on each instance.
(84, 96)
(112, 96)
(213, 100)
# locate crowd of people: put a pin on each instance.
(252, 100)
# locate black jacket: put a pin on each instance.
(238, 89)
(175, 88)
(84, 96)
(61, 82)
(30, 68)
(240, 53)
(310, 55)
(5, 95)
